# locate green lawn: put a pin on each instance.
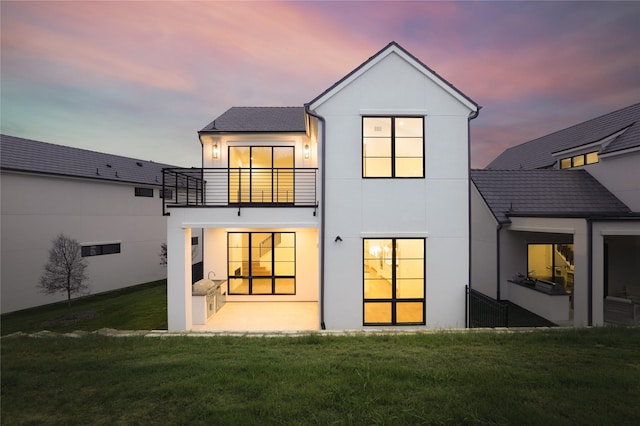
(550, 377)
(141, 307)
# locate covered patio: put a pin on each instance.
(263, 316)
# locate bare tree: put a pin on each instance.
(65, 271)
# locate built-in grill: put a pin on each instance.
(208, 297)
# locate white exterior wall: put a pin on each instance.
(435, 207)
(36, 208)
(620, 174)
(484, 255)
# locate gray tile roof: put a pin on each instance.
(537, 153)
(27, 155)
(259, 119)
(545, 193)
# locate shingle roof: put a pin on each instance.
(545, 193)
(537, 153)
(259, 119)
(27, 155)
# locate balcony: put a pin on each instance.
(239, 187)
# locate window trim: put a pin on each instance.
(273, 275)
(393, 146)
(394, 300)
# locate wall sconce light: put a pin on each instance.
(307, 151)
(216, 151)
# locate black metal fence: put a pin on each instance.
(485, 312)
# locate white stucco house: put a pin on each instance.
(108, 203)
(353, 207)
(556, 223)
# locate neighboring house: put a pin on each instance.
(556, 223)
(108, 203)
(356, 203)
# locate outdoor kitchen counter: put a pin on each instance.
(543, 300)
(207, 297)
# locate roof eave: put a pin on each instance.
(392, 47)
(575, 215)
(70, 176)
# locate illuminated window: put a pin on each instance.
(261, 174)
(592, 157)
(551, 262)
(393, 284)
(261, 262)
(392, 147)
(579, 160)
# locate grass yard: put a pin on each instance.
(550, 377)
(141, 307)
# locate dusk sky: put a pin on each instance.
(139, 79)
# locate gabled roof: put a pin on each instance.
(26, 155)
(259, 119)
(545, 193)
(538, 153)
(292, 119)
(393, 47)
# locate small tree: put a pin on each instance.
(65, 271)
(163, 253)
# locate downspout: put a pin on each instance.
(322, 210)
(472, 115)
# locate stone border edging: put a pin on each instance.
(109, 332)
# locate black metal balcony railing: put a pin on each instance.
(278, 187)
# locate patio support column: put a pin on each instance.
(179, 278)
(581, 275)
(598, 259)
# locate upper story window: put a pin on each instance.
(393, 147)
(579, 160)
